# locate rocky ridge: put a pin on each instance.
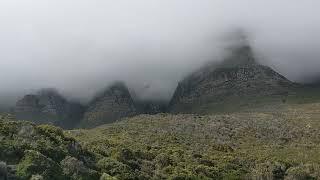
(238, 77)
(48, 107)
(112, 104)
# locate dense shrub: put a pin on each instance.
(34, 163)
(115, 168)
(303, 172)
(76, 169)
(106, 176)
(163, 160)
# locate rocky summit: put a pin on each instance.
(49, 107)
(237, 81)
(114, 103)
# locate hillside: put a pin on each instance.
(282, 144)
(237, 82)
(270, 145)
(47, 106)
(111, 105)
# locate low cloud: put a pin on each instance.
(81, 46)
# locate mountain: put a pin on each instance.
(239, 81)
(49, 107)
(111, 105)
(150, 106)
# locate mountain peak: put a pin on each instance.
(113, 104)
(49, 107)
(239, 50)
(238, 56)
(118, 85)
(238, 79)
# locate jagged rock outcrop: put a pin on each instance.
(238, 81)
(49, 107)
(111, 105)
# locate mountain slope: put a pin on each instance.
(272, 145)
(239, 81)
(113, 104)
(49, 107)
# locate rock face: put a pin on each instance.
(238, 79)
(49, 107)
(150, 106)
(113, 104)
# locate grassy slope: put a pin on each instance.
(282, 143)
(278, 103)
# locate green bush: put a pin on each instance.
(163, 160)
(76, 169)
(303, 172)
(34, 163)
(53, 132)
(206, 171)
(115, 168)
(106, 176)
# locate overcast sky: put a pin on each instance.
(80, 46)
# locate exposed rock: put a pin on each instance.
(113, 104)
(235, 80)
(29, 103)
(150, 107)
(49, 107)
(51, 102)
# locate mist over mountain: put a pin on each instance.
(159, 89)
(80, 47)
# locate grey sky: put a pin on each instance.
(80, 46)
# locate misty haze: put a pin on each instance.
(159, 89)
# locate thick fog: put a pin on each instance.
(81, 46)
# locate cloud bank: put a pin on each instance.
(81, 46)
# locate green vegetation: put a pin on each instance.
(42, 152)
(34, 163)
(275, 103)
(261, 145)
(282, 144)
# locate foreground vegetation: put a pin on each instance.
(282, 144)
(28, 151)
